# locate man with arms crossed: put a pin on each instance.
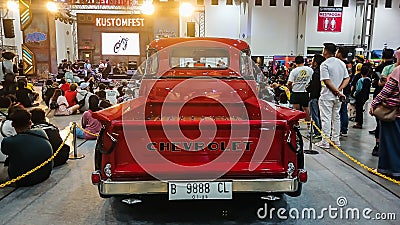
(334, 78)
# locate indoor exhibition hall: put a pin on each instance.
(199, 112)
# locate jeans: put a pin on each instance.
(389, 148)
(344, 117)
(314, 113)
(330, 119)
(80, 133)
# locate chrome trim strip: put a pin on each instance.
(108, 187)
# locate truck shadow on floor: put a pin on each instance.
(158, 210)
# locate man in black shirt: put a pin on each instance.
(315, 90)
(22, 157)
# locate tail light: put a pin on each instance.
(96, 177)
(302, 175)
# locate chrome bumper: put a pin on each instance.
(107, 187)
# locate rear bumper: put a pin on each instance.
(161, 187)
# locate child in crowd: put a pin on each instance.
(64, 85)
(70, 95)
(361, 95)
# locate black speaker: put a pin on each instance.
(8, 27)
(191, 30)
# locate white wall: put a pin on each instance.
(387, 27)
(64, 41)
(315, 39)
(274, 29)
(222, 20)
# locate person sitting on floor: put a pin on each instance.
(39, 121)
(61, 106)
(64, 85)
(104, 103)
(70, 95)
(82, 97)
(24, 95)
(23, 158)
(6, 128)
(88, 122)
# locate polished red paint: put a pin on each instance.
(221, 103)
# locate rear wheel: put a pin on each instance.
(300, 161)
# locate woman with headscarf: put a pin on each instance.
(389, 147)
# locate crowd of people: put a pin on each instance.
(327, 89)
(25, 123)
(333, 91)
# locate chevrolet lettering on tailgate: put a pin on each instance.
(199, 146)
(197, 129)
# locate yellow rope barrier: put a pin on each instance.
(86, 131)
(41, 165)
(350, 157)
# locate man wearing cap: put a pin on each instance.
(83, 95)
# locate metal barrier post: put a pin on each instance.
(75, 155)
(310, 150)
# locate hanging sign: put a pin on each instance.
(330, 19)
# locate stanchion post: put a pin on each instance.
(75, 155)
(310, 150)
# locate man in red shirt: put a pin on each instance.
(64, 85)
(70, 94)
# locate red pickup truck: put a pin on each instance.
(197, 129)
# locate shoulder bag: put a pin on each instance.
(386, 113)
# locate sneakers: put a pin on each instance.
(322, 144)
(337, 143)
(316, 136)
(375, 150)
(344, 134)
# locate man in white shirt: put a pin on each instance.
(298, 80)
(111, 94)
(334, 77)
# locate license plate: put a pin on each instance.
(200, 190)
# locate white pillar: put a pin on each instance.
(245, 20)
(358, 21)
(301, 28)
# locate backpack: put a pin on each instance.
(81, 103)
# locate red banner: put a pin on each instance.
(330, 19)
